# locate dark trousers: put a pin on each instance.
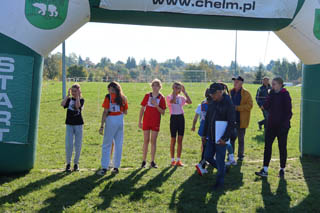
(264, 121)
(240, 133)
(220, 151)
(282, 135)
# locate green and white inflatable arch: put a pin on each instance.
(30, 29)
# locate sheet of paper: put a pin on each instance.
(220, 129)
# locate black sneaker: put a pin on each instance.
(76, 168)
(68, 168)
(281, 173)
(115, 171)
(143, 164)
(102, 172)
(260, 126)
(240, 158)
(153, 165)
(262, 173)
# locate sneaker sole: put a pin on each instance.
(199, 171)
(260, 175)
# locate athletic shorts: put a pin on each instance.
(177, 125)
(149, 126)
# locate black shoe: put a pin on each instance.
(240, 158)
(102, 172)
(68, 168)
(143, 164)
(281, 173)
(218, 187)
(115, 171)
(153, 165)
(76, 168)
(262, 173)
(260, 126)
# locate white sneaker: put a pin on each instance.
(200, 170)
(233, 163)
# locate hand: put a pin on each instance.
(221, 142)
(101, 130)
(79, 93)
(193, 129)
(262, 108)
(204, 140)
(183, 89)
(140, 125)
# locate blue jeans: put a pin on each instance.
(220, 151)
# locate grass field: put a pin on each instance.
(48, 189)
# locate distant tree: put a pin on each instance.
(76, 71)
(72, 59)
(131, 63)
(80, 61)
(153, 63)
(179, 62)
(52, 66)
(103, 62)
(260, 73)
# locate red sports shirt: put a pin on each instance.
(151, 114)
(118, 109)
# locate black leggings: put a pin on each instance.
(177, 125)
(282, 135)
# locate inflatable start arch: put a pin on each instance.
(30, 29)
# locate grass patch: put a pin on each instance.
(47, 189)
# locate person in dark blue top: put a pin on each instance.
(220, 109)
(261, 97)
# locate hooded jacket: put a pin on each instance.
(279, 108)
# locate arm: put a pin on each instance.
(206, 124)
(231, 117)
(247, 106)
(78, 104)
(141, 116)
(188, 101)
(64, 101)
(195, 119)
(288, 108)
(258, 98)
(267, 104)
(154, 102)
(104, 116)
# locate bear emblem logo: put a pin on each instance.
(46, 14)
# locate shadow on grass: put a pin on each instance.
(194, 194)
(68, 195)
(37, 185)
(7, 178)
(259, 137)
(311, 172)
(120, 188)
(153, 184)
(278, 202)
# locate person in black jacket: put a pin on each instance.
(261, 97)
(220, 109)
(279, 109)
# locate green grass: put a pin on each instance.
(47, 189)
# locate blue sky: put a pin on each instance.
(118, 42)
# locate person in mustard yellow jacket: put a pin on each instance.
(243, 103)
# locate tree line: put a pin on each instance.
(133, 71)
